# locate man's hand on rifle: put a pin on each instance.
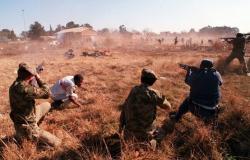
(184, 66)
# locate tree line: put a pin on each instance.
(36, 30)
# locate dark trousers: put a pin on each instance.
(240, 57)
(202, 113)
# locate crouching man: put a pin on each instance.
(24, 113)
(63, 92)
(139, 109)
(204, 93)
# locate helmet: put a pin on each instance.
(148, 73)
(24, 71)
(206, 63)
(148, 76)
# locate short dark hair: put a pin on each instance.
(78, 78)
(148, 81)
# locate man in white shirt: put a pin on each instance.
(63, 92)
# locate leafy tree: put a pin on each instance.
(59, 28)
(36, 30)
(192, 30)
(122, 29)
(24, 34)
(71, 24)
(224, 30)
(88, 26)
(10, 34)
(104, 31)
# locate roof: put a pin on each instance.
(83, 30)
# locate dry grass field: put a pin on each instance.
(107, 82)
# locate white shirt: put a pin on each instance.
(63, 88)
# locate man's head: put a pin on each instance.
(206, 63)
(239, 35)
(78, 79)
(148, 77)
(25, 72)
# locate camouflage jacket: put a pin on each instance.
(22, 97)
(139, 109)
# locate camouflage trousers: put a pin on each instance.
(240, 56)
(145, 135)
(33, 132)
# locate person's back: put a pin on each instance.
(63, 87)
(239, 44)
(63, 92)
(140, 108)
(204, 87)
(21, 105)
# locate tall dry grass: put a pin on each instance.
(107, 82)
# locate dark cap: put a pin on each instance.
(148, 73)
(206, 63)
(25, 67)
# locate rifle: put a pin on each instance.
(188, 67)
(246, 34)
(227, 38)
(231, 38)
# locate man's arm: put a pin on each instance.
(219, 78)
(162, 102)
(37, 93)
(188, 78)
(75, 101)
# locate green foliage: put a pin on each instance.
(88, 26)
(10, 34)
(71, 24)
(36, 30)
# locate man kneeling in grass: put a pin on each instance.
(63, 92)
(139, 109)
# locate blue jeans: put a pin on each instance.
(202, 113)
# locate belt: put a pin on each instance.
(205, 107)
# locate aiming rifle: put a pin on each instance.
(188, 67)
(231, 38)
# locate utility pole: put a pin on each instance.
(24, 26)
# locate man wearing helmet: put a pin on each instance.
(239, 45)
(204, 93)
(139, 109)
(25, 114)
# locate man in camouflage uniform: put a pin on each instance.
(238, 52)
(139, 109)
(24, 113)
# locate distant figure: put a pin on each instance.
(202, 42)
(160, 41)
(175, 40)
(182, 41)
(69, 54)
(139, 109)
(24, 113)
(189, 42)
(239, 45)
(63, 92)
(210, 42)
(204, 93)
